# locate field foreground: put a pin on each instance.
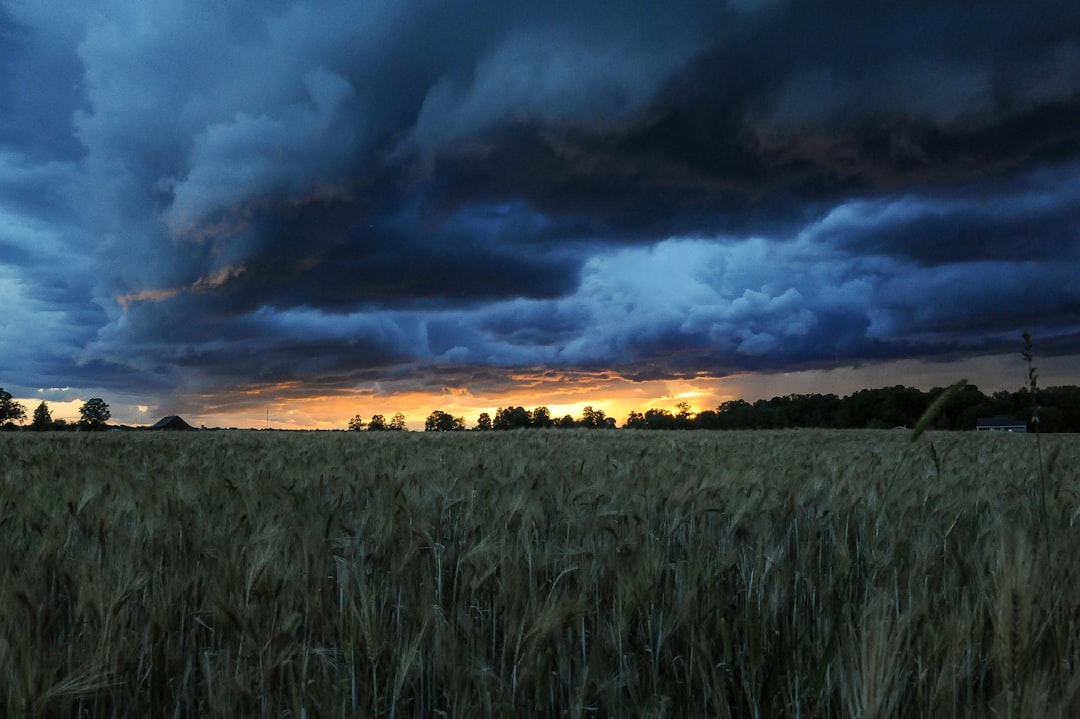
(571, 573)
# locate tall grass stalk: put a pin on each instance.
(1033, 385)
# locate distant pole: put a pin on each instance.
(268, 418)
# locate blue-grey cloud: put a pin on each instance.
(221, 195)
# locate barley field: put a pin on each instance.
(539, 574)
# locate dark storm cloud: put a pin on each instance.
(399, 260)
(40, 77)
(325, 192)
(46, 276)
(795, 103)
(1033, 218)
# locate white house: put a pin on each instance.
(1000, 424)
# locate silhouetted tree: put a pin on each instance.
(439, 421)
(595, 419)
(659, 419)
(95, 414)
(707, 419)
(397, 423)
(684, 418)
(42, 421)
(567, 422)
(483, 422)
(377, 424)
(1067, 401)
(541, 418)
(1051, 419)
(735, 414)
(356, 424)
(636, 420)
(512, 418)
(10, 410)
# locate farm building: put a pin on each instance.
(1000, 424)
(172, 422)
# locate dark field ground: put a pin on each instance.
(572, 573)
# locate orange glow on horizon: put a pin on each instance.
(289, 405)
(615, 396)
(569, 392)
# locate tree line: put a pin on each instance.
(94, 415)
(1057, 409)
(378, 423)
(505, 418)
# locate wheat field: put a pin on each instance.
(539, 574)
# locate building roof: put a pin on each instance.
(172, 422)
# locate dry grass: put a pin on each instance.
(771, 574)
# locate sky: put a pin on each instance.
(288, 212)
